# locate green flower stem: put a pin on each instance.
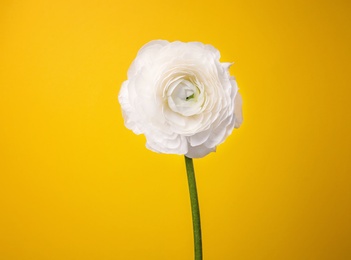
(194, 207)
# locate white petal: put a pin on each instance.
(199, 138)
(199, 151)
(227, 65)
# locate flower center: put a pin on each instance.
(184, 96)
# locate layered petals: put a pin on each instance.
(181, 98)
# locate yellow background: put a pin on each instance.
(76, 184)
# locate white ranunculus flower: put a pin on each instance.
(181, 98)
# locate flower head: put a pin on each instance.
(181, 98)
